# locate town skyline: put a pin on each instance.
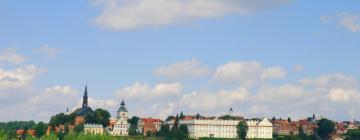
(282, 58)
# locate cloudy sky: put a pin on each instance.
(264, 58)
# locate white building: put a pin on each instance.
(259, 129)
(121, 126)
(217, 128)
(93, 129)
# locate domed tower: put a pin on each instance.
(121, 126)
(122, 111)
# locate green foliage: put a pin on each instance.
(181, 115)
(40, 129)
(79, 128)
(164, 131)
(3, 135)
(289, 119)
(102, 116)
(176, 124)
(169, 118)
(197, 116)
(325, 128)
(61, 118)
(352, 134)
(52, 136)
(229, 117)
(242, 129)
(176, 132)
(183, 132)
(133, 121)
(9, 128)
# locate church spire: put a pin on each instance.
(85, 98)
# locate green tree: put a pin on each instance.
(242, 129)
(164, 131)
(40, 129)
(197, 116)
(61, 118)
(176, 124)
(79, 128)
(102, 116)
(183, 132)
(133, 121)
(289, 119)
(325, 128)
(352, 134)
(181, 115)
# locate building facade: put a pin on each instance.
(93, 129)
(151, 125)
(262, 129)
(121, 127)
(217, 128)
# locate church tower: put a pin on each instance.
(122, 111)
(121, 126)
(85, 98)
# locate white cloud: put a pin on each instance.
(163, 110)
(132, 14)
(47, 51)
(280, 94)
(191, 68)
(143, 90)
(273, 72)
(19, 77)
(50, 97)
(298, 68)
(247, 72)
(209, 101)
(350, 22)
(331, 80)
(9, 55)
(347, 20)
(342, 95)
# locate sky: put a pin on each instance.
(263, 58)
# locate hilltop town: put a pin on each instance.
(98, 123)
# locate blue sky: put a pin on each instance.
(94, 43)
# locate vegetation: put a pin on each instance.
(178, 132)
(164, 131)
(9, 129)
(79, 128)
(61, 118)
(100, 116)
(40, 129)
(352, 134)
(242, 129)
(229, 117)
(182, 116)
(133, 125)
(325, 128)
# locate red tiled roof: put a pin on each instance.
(150, 120)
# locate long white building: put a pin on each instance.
(217, 128)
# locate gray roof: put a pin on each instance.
(93, 126)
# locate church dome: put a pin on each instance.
(122, 107)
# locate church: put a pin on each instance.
(121, 125)
(84, 110)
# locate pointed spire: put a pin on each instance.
(122, 103)
(85, 93)
(85, 98)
